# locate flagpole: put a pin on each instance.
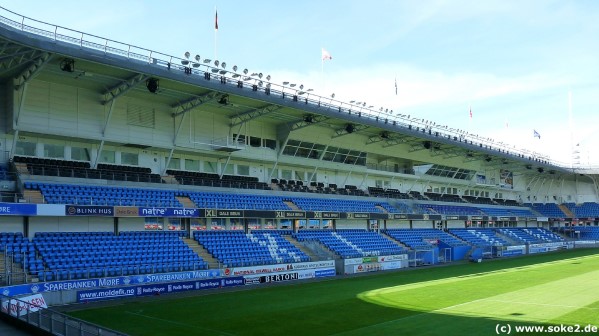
(215, 34)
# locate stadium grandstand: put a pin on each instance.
(120, 161)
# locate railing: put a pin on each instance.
(205, 70)
(49, 320)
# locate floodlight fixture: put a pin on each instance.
(245, 71)
(216, 62)
(301, 86)
(197, 58)
(333, 95)
(207, 60)
(260, 75)
(223, 65)
(235, 68)
(67, 65)
(152, 85)
(268, 77)
(285, 83)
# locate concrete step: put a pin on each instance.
(391, 239)
(202, 252)
(291, 205)
(302, 248)
(33, 196)
(382, 209)
(565, 210)
(186, 201)
(169, 179)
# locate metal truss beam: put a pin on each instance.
(194, 102)
(253, 114)
(341, 132)
(299, 124)
(33, 69)
(13, 56)
(122, 88)
(395, 141)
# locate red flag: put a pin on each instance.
(470, 112)
(326, 55)
(215, 19)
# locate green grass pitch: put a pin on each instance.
(466, 299)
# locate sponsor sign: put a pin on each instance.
(289, 276)
(363, 268)
(17, 209)
(393, 257)
(126, 211)
(107, 282)
(223, 213)
(265, 269)
(357, 261)
(89, 210)
(167, 212)
(290, 214)
(322, 273)
(390, 265)
(105, 294)
(323, 214)
(24, 305)
(156, 289)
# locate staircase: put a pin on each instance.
(17, 274)
(393, 240)
(510, 239)
(169, 179)
(381, 208)
(33, 196)
(291, 205)
(201, 251)
(565, 210)
(21, 168)
(185, 201)
(302, 248)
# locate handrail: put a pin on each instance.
(50, 320)
(83, 40)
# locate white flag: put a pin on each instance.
(326, 55)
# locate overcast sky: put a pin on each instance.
(513, 63)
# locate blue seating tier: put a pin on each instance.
(352, 243)
(236, 248)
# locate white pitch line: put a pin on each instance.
(411, 316)
(538, 304)
(178, 323)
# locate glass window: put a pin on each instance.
(130, 158)
(80, 154)
(54, 151)
(192, 165)
(269, 143)
(175, 163)
(25, 148)
(286, 174)
(228, 169)
(107, 156)
(209, 167)
(243, 170)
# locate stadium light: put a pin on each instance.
(152, 84)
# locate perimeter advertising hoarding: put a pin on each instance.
(17, 209)
(289, 276)
(106, 282)
(365, 260)
(156, 289)
(266, 269)
(24, 305)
